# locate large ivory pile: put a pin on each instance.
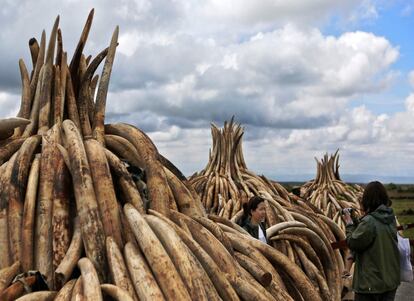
(71, 209)
(226, 182)
(295, 229)
(329, 193)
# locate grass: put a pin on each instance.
(402, 197)
(400, 205)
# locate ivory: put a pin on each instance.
(7, 274)
(90, 281)
(118, 269)
(161, 265)
(38, 296)
(116, 292)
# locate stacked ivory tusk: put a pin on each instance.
(295, 228)
(225, 184)
(328, 193)
(101, 214)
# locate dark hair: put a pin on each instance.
(374, 195)
(251, 205)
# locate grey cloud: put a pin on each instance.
(193, 113)
(144, 120)
(250, 17)
(10, 78)
(284, 85)
(165, 81)
(157, 64)
(186, 123)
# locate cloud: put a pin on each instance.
(411, 78)
(288, 78)
(253, 16)
(365, 12)
(9, 104)
(181, 65)
(407, 10)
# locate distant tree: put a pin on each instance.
(407, 212)
(391, 186)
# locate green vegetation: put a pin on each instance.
(291, 185)
(391, 186)
(403, 209)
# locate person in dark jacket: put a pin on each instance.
(254, 213)
(374, 243)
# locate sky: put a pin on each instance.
(303, 77)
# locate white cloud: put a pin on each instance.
(366, 11)
(411, 78)
(290, 77)
(407, 10)
(265, 14)
(230, 62)
(131, 41)
(9, 104)
(183, 64)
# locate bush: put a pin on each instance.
(391, 186)
(407, 212)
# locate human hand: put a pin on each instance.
(346, 213)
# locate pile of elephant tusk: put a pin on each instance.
(297, 228)
(100, 214)
(329, 193)
(226, 183)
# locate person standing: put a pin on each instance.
(254, 213)
(374, 243)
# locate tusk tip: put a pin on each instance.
(32, 41)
